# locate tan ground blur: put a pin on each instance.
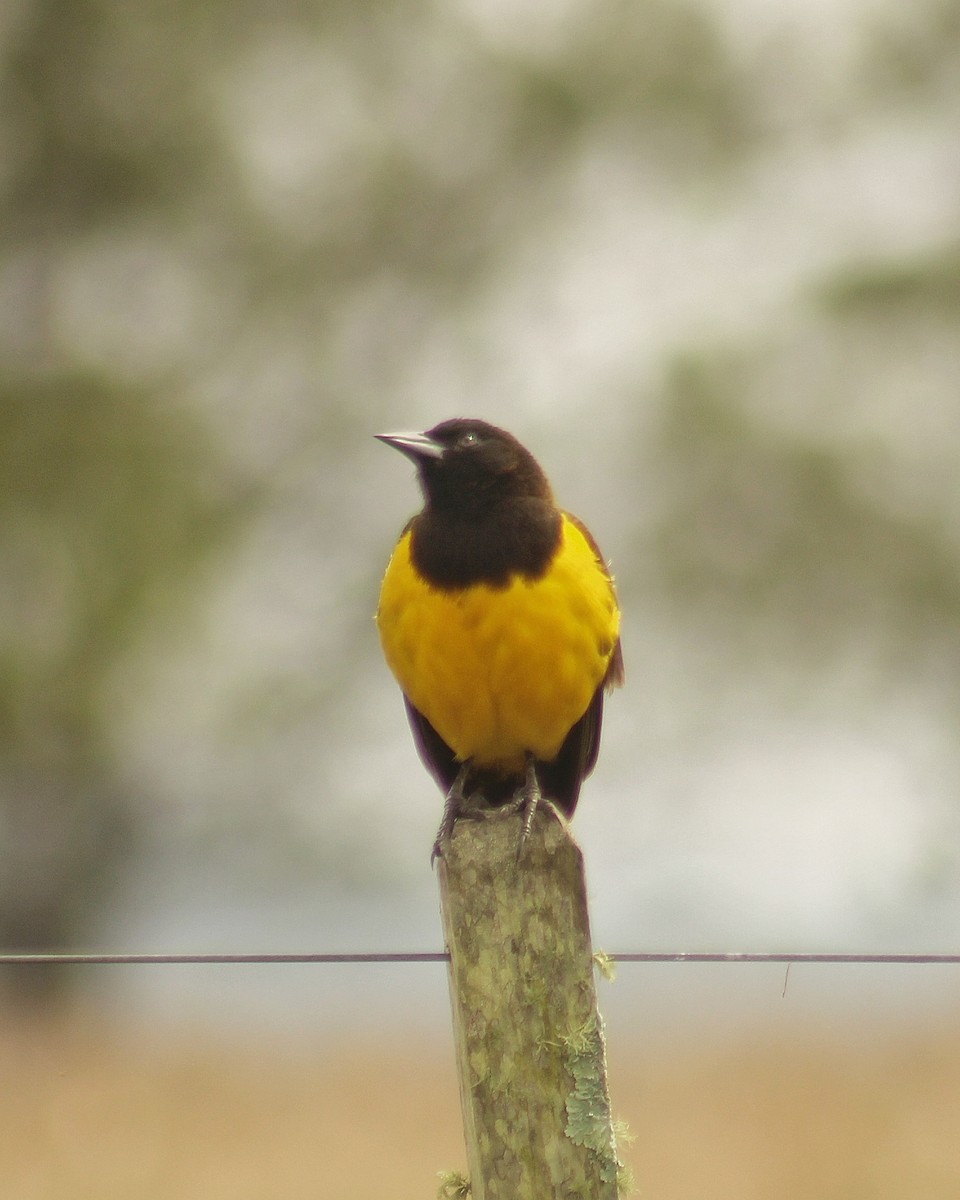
(89, 1115)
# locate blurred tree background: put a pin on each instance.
(703, 259)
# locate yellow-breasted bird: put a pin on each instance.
(499, 619)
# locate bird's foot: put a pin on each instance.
(528, 801)
(458, 806)
(455, 806)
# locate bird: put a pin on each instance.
(498, 617)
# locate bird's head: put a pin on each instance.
(467, 465)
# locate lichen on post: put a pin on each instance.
(529, 1041)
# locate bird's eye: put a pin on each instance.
(468, 439)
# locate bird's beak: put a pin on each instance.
(414, 445)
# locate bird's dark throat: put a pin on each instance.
(517, 537)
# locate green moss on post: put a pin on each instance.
(529, 1041)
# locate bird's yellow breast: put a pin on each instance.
(500, 671)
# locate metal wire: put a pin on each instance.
(207, 959)
(657, 956)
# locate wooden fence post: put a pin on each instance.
(529, 1042)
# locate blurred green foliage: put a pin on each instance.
(772, 533)
(108, 504)
(230, 240)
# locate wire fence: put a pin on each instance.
(654, 956)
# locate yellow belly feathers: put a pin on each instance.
(500, 671)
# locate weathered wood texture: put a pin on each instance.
(529, 1040)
